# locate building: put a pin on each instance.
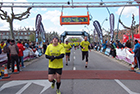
(124, 32)
(19, 35)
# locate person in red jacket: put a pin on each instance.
(20, 54)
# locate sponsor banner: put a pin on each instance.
(112, 26)
(136, 37)
(37, 25)
(98, 30)
(42, 32)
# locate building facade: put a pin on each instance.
(19, 35)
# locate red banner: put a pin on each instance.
(136, 37)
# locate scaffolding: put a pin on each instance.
(69, 4)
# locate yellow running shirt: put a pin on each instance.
(85, 44)
(61, 43)
(55, 51)
(67, 46)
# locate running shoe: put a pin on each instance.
(66, 64)
(85, 66)
(58, 91)
(53, 84)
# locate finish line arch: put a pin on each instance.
(74, 33)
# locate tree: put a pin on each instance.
(4, 16)
(32, 37)
(132, 28)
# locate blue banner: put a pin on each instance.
(37, 26)
(98, 29)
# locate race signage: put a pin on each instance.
(73, 20)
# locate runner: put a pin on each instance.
(85, 45)
(67, 47)
(55, 53)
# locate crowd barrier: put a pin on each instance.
(27, 54)
(121, 54)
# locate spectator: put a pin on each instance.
(6, 50)
(136, 45)
(119, 45)
(2, 45)
(26, 44)
(44, 47)
(104, 45)
(137, 55)
(14, 54)
(128, 44)
(20, 54)
(112, 50)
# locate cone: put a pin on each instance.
(132, 67)
(5, 73)
(15, 69)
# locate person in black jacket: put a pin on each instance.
(137, 55)
(44, 47)
(112, 50)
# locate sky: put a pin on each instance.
(51, 16)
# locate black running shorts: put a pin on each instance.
(54, 71)
(67, 54)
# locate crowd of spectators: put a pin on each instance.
(15, 50)
(113, 45)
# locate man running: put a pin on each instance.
(55, 53)
(85, 45)
(67, 47)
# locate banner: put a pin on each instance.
(39, 28)
(37, 25)
(136, 37)
(42, 32)
(97, 26)
(112, 26)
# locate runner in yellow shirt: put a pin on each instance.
(61, 43)
(67, 47)
(85, 46)
(55, 53)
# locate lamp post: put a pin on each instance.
(104, 21)
(88, 29)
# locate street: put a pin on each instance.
(104, 75)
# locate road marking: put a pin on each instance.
(124, 87)
(74, 68)
(45, 83)
(74, 57)
(24, 88)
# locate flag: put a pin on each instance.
(98, 29)
(112, 26)
(37, 25)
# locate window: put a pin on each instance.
(7, 33)
(22, 33)
(29, 33)
(25, 33)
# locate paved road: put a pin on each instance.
(104, 75)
